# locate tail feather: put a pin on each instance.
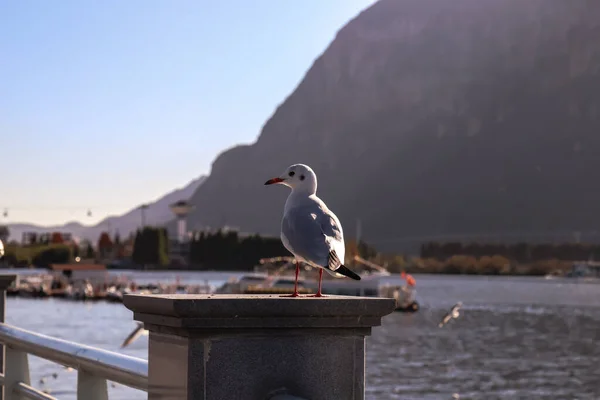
(346, 272)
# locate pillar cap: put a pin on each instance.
(223, 311)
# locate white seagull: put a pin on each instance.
(454, 313)
(310, 230)
(136, 333)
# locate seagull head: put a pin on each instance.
(298, 177)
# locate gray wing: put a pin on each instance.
(314, 234)
(136, 333)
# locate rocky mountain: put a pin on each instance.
(432, 119)
(157, 213)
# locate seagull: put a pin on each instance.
(310, 230)
(136, 333)
(452, 314)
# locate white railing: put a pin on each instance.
(95, 366)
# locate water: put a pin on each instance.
(516, 338)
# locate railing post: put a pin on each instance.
(5, 282)
(90, 387)
(17, 371)
(214, 347)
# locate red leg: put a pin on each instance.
(295, 294)
(319, 294)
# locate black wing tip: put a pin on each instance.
(347, 272)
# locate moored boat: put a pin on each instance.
(277, 275)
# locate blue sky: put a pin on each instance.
(109, 104)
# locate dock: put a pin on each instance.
(80, 282)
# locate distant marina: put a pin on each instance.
(93, 282)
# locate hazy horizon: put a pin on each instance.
(91, 224)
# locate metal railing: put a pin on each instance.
(94, 366)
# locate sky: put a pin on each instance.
(105, 105)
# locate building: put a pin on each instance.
(30, 238)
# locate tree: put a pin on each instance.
(75, 250)
(151, 246)
(89, 251)
(56, 238)
(4, 233)
(365, 251)
(104, 242)
(351, 249)
(105, 245)
(163, 247)
(136, 254)
(227, 250)
(60, 254)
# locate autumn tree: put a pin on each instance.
(104, 241)
(105, 244)
(56, 238)
(351, 249)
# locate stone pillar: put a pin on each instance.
(255, 347)
(5, 282)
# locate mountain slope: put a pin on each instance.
(435, 118)
(157, 213)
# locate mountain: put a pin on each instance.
(157, 213)
(435, 118)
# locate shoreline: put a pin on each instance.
(411, 270)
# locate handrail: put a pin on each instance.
(32, 393)
(28, 392)
(120, 368)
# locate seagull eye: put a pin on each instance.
(301, 177)
(291, 173)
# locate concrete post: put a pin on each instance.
(5, 282)
(90, 387)
(252, 347)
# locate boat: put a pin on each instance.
(240, 285)
(277, 275)
(80, 290)
(585, 271)
(404, 296)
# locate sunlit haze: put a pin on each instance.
(106, 105)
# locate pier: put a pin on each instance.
(212, 347)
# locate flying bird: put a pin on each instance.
(310, 230)
(136, 333)
(453, 313)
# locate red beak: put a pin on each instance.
(274, 180)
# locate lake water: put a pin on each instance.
(516, 338)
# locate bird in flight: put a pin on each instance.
(136, 333)
(453, 313)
